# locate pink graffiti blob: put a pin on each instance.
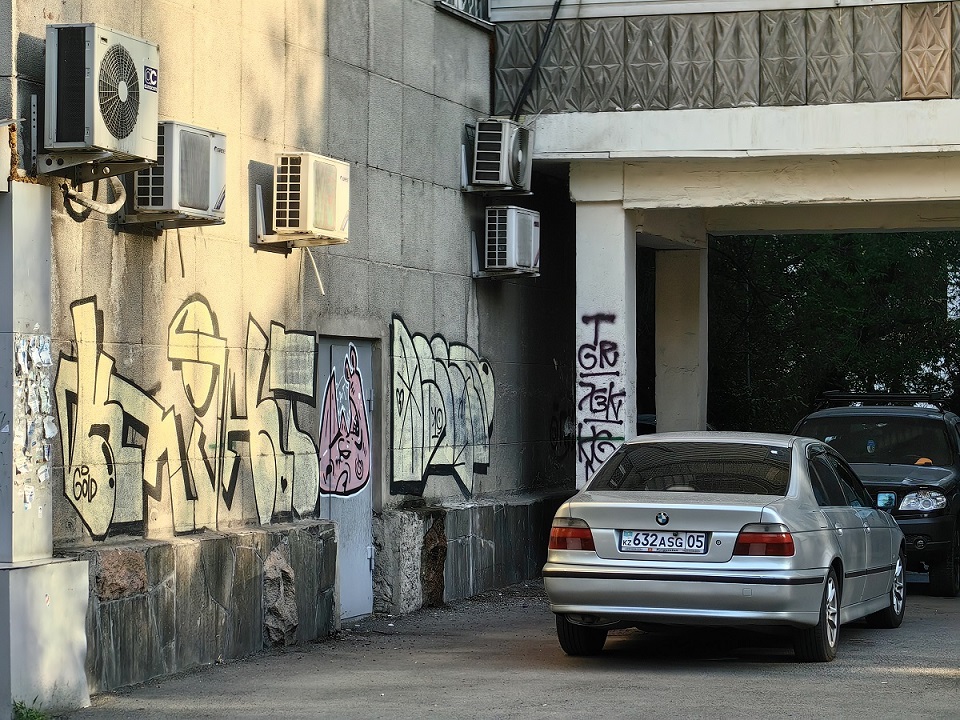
(344, 435)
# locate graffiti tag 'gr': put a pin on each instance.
(600, 397)
(443, 397)
(120, 444)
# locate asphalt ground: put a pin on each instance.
(496, 656)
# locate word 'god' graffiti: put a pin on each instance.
(443, 397)
(600, 396)
(124, 450)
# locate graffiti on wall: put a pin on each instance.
(344, 431)
(443, 398)
(600, 395)
(123, 449)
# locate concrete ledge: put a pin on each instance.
(161, 607)
(435, 554)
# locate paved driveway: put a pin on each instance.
(496, 656)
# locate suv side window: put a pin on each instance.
(826, 484)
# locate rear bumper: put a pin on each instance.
(679, 597)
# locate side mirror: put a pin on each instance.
(886, 501)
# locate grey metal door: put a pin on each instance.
(346, 466)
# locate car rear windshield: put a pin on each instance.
(891, 440)
(729, 468)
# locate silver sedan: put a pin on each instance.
(728, 529)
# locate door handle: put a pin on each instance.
(839, 529)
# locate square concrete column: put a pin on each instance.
(43, 600)
(606, 363)
(681, 339)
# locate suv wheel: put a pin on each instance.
(945, 573)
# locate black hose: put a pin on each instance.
(528, 82)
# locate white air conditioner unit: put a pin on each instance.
(188, 182)
(502, 156)
(311, 199)
(512, 240)
(101, 92)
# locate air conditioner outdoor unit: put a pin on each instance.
(189, 181)
(512, 240)
(503, 156)
(101, 92)
(311, 199)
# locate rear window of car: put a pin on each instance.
(726, 468)
(889, 440)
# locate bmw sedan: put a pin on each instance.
(723, 529)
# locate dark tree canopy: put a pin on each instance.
(794, 315)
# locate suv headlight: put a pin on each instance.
(924, 500)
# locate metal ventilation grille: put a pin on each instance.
(489, 152)
(150, 181)
(287, 193)
(119, 91)
(496, 237)
(519, 156)
(194, 170)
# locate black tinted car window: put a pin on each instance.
(889, 439)
(856, 494)
(731, 468)
(825, 483)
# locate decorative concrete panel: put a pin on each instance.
(830, 62)
(783, 58)
(737, 81)
(558, 81)
(927, 50)
(516, 45)
(601, 79)
(691, 61)
(877, 52)
(955, 42)
(646, 75)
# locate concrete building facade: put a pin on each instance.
(208, 447)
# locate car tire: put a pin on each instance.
(819, 643)
(945, 573)
(579, 639)
(892, 615)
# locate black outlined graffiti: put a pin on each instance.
(344, 432)
(600, 396)
(443, 401)
(110, 427)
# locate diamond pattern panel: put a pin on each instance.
(691, 61)
(956, 47)
(601, 78)
(927, 51)
(516, 45)
(877, 51)
(737, 79)
(830, 63)
(783, 58)
(558, 87)
(646, 50)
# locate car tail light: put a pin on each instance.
(764, 540)
(571, 534)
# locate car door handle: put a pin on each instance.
(839, 529)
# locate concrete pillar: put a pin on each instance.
(43, 600)
(606, 321)
(681, 339)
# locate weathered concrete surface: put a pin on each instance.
(161, 607)
(496, 656)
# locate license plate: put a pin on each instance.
(661, 541)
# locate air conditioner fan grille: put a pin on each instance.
(489, 154)
(496, 237)
(119, 91)
(150, 181)
(288, 193)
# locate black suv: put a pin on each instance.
(906, 449)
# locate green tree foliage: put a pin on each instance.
(794, 315)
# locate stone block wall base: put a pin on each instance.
(438, 554)
(159, 607)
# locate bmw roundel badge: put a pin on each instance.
(662, 518)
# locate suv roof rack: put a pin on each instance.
(838, 398)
